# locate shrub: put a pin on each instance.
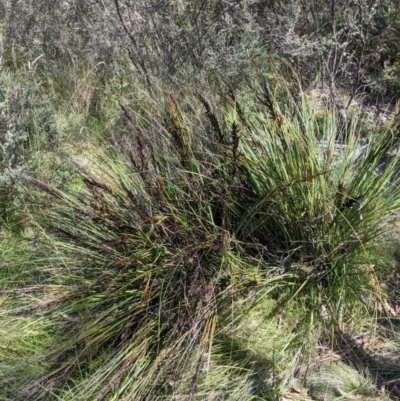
(27, 126)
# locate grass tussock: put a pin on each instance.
(340, 380)
(202, 249)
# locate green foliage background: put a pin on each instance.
(184, 212)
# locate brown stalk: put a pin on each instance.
(212, 118)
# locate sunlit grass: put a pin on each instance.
(199, 248)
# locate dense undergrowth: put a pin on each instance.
(195, 238)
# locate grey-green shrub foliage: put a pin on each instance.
(163, 37)
(159, 37)
(13, 133)
(27, 125)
